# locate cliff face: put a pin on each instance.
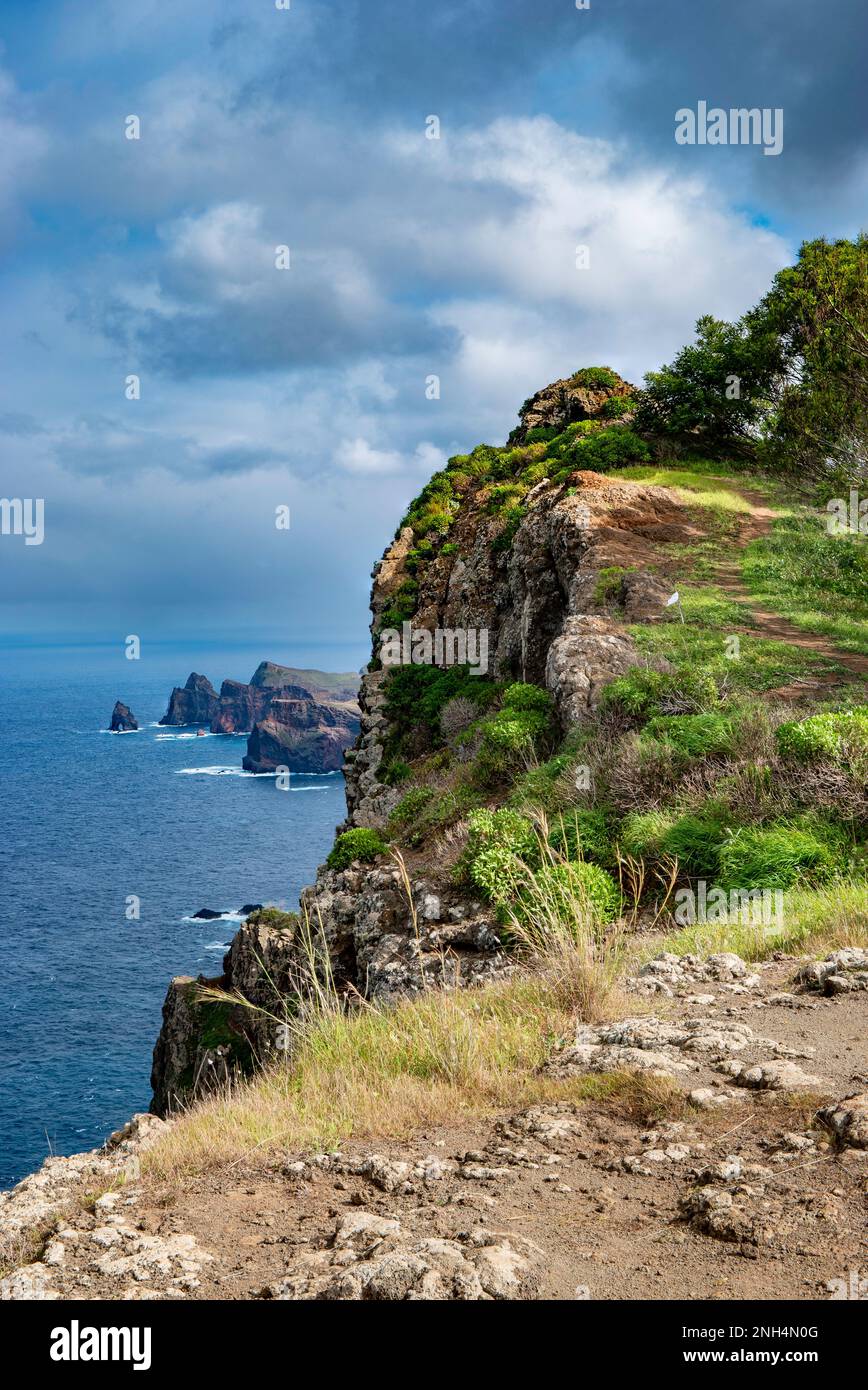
(548, 622)
(305, 727)
(196, 703)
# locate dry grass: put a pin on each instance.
(814, 921)
(360, 1069)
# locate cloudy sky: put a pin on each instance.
(408, 257)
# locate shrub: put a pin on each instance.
(569, 891)
(500, 843)
(402, 605)
(545, 786)
(513, 733)
(415, 696)
(694, 840)
(275, 918)
(615, 407)
(643, 692)
(583, 834)
(594, 376)
(615, 447)
(395, 772)
(641, 833)
(513, 517)
(457, 715)
(359, 844)
(522, 696)
(824, 735)
(779, 856)
(410, 807)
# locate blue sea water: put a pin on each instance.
(90, 819)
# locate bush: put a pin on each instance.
(545, 786)
(594, 376)
(641, 833)
(615, 407)
(522, 696)
(402, 605)
(395, 772)
(778, 857)
(616, 447)
(416, 695)
(824, 735)
(694, 840)
(567, 891)
(642, 692)
(275, 918)
(457, 715)
(359, 844)
(515, 732)
(500, 843)
(410, 807)
(583, 834)
(513, 517)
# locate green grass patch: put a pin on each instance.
(816, 580)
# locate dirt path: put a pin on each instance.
(769, 624)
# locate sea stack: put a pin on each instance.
(196, 703)
(123, 719)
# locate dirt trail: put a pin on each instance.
(729, 578)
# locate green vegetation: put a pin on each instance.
(594, 377)
(565, 890)
(833, 735)
(695, 735)
(816, 580)
(360, 844)
(416, 696)
(786, 383)
(780, 856)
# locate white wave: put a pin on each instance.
(216, 946)
(169, 738)
(218, 771)
(234, 916)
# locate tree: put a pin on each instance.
(717, 391)
(817, 310)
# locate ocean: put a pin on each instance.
(92, 820)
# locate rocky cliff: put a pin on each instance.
(531, 580)
(303, 726)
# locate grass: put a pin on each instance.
(762, 663)
(359, 1068)
(817, 581)
(814, 920)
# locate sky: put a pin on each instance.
(264, 386)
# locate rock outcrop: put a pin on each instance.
(196, 703)
(123, 720)
(583, 396)
(303, 735)
(241, 704)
